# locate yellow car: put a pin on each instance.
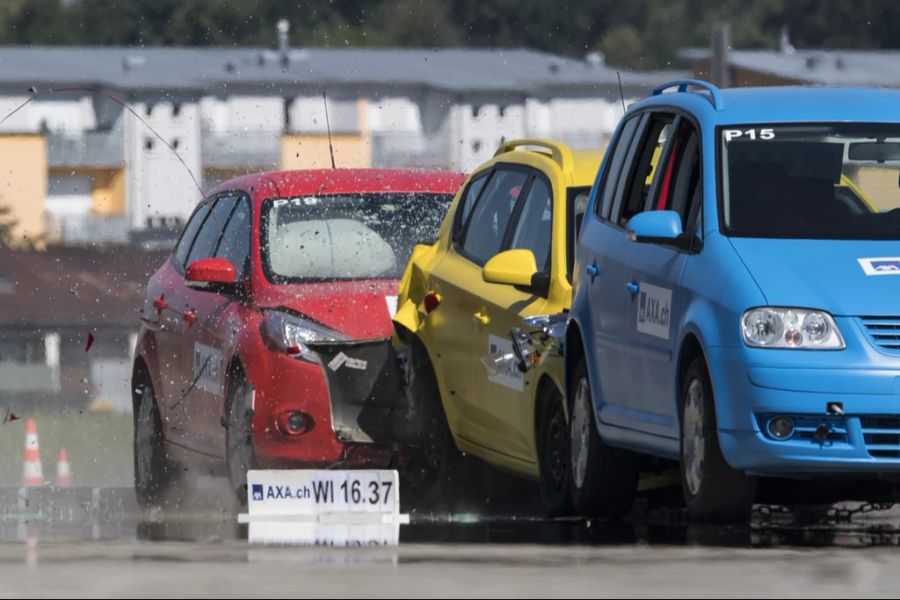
(504, 253)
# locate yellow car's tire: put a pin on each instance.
(435, 463)
(604, 479)
(553, 456)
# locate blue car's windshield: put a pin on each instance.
(838, 181)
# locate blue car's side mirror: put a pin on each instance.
(659, 227)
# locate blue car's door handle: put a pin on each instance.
(633, 287)
(592, 270)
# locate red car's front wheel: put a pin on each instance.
(241, 456)
(153, 473)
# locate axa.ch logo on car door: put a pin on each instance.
(880, 266)
(207, 367)
(654, 311)
(510, 376)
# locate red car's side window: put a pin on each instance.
(210, 233)
(183, 248)
(235, 244)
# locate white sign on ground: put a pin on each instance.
(314, 533)
(273, 494)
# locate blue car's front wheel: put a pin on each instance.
(603, 479)
(713, 491)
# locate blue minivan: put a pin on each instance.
(737, 296)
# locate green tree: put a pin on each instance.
(422, 23)
(622, 46)
(633, 33)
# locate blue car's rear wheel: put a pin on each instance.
(604, 479)
(712, 490)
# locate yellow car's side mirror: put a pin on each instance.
(512, 267)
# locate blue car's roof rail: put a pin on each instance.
(715, 94)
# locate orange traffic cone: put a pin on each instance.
(63, 469)
(32, 473)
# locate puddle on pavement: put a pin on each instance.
(46, 516)
(453, 529)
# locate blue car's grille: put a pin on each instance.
(805, 428)
(884, 332)
(882, 435)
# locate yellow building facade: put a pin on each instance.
(23, 184)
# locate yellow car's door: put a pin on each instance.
(482, 236)
(505, 415)
(449, 335)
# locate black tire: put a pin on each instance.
(712, 490)
(240, 453)
(553, 457)
(153, 472)
(604, 479)
(435, 463)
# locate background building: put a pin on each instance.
(49, 302)
(84, 162)
(790, 66)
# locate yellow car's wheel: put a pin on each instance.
(553, 456)
(435, 463)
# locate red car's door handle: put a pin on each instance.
(160, 304)
(189, 316)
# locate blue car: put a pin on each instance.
(737, 297)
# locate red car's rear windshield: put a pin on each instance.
(346, 236)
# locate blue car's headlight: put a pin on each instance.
(806, 329)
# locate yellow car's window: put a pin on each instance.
(467, 202)
(492, 213)
(534, 230)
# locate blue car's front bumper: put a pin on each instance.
(754, 385)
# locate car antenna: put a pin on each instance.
(621, 93)
(328, 127)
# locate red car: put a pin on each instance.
(265, 338)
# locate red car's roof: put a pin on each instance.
(342, 181)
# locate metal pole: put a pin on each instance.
(719, 70)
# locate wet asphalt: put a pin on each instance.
(95, 542)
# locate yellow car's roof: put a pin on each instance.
(581, 164)
(587, 162)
